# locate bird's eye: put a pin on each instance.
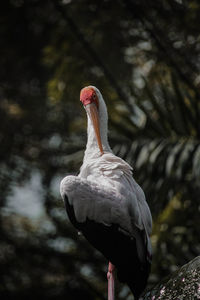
(94, 96)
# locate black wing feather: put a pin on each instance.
(119, 248)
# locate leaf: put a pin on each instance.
(172, 157)
(185, 159)
(196, 164)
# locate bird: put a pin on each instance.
(107, 205)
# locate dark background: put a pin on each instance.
(144, 56)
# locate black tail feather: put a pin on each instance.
(119, 248)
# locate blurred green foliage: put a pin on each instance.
(144, 56)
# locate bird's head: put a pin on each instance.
(90, 100)
(88, 95)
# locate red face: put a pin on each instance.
(88, 96)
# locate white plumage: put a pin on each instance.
(118, 198)
(105, 190)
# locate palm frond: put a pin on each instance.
(167, 157)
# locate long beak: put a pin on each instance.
(94, 117)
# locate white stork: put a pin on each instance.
(106, 204)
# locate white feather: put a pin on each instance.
(105, 190)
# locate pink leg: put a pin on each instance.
(111, 282)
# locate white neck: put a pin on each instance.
(92, 148)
